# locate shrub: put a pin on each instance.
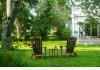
(66, 33)
(63, 33)
(11, 59)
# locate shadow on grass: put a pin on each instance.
(22, 58)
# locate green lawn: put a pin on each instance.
(88, 55)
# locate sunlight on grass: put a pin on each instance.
(52, 44)
(48, 44)
(87, 48)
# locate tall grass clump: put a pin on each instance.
(11, 58)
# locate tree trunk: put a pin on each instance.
(7, 30)
(8, 8)
(1, 15)
(44, 33)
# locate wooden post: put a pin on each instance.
(57, 51)
(61, 50)
(52, 52)
(49, 52)
(45, 51)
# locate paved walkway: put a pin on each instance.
(88, 41)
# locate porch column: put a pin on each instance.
(90, 29)
(73, 21)
(83, 30)
(98, 30)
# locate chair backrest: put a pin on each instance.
(71, 42)
(37, 45)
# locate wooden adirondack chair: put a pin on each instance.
(37, 48)
(71, 44)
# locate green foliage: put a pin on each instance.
(11, 58)
(62, 2)
(66, 33)
(43, 20)
(49, 13)
(91, 20)
(91, 8)
(2, 4)
(32, 3)
(63, 32)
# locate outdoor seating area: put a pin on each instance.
(49, 33)
(39, 51)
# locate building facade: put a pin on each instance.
(77, 24)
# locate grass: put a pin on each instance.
(84, 59)
(88, 56)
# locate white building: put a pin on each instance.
(78, 18)
(84, 33)
(77, 23)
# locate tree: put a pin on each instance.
(50, 13)
(60, 16)
(6, 35)
(2, 15)
(46, 18)
(7, 30)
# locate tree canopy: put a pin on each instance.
(30, 15)
(92, 9)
